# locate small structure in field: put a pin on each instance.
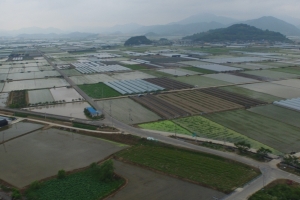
(92, 112)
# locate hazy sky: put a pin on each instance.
(70, 14)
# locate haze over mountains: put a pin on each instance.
(191, 25)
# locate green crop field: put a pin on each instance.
(280, 136)
(291, 70)
(82, 185)
(201, 81)
(134, 67)
(251, 93)
(208, 129)
(278, 113)
(202, 71)
(209, 170)
(165, 126)
(99, 90)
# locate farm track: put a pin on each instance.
(259, 78)
(196, 102)
(162, 108)
(232, 97)
(169, 84)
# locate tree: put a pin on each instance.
(291, 160)
(242, 146)
(263, 152)
(16, 194)
(61, 174)
(106, 172)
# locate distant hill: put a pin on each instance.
(206, 17)
(137, 40)
(179, 29)
(274, 24)
(238, 32)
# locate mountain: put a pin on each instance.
(274, 24)
(206, 17)
(138, 40)
(179, 29)
(238, 33)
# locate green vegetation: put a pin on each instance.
(21, 115)
(208, 129)
(165, 126)
(99, 90)
(18, 99)
(86, 184)
(135, 67)
(252, 94)
(275, 134)
(285, 190)
(238, 32)
(242, 146)
(61, 174)
(291, 70)
(137, 40)
(202, 71)
(208, 170)
(84, 126)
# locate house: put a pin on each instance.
(92, 112)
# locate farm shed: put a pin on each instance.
(92, 112)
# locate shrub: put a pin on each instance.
(61, 174)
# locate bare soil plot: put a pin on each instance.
(18, 129)
(274, 75)
(231, 78)
(169, 84)
(40, 96)
(295, 83)
(251, 94)
(128, 111)
(145, 184)
(281, 114)
(201, 81)
(274, 89)
(280, 136)
(196, 102)
(236, 98)
(3, 99)
(72, 110)
(65, 94)
(41, 154)
(131, 76)
(178, 72)
(162, 108)
(35, 84)
(91, 79)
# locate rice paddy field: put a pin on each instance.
(209, 170)
(65, 150)
(295, 83)
(91, 79)
(274, 90)
(131, 76)
(201, 81)
(35, 84)
(253, 66)
(40, 96)
(231, 78)
(251, 93)
(291, 70)
(65, 94)
(166, 126)
(178, 72)
(99, 91)
(71, 72)
(278, 113)
(128, 111)
(280, 136)
(3, 99)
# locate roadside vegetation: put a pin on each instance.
(205, 169)
(84, 126)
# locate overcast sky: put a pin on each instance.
(78, 14)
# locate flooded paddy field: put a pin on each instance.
(72, 110)
(3, 99)
(178, 72)
(147, 185)
(128, 111)
(66, 94)
(41, 154)
(295, 83)
(131, 76)
(274, 89)
(35, 84)
(40, 96)
(32, 75)
(91, 79)
(18, 129)
(231, 78)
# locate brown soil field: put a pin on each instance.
(41, 154)
(196, 102)
(162, 108)
(169, 84)
(145, 184)
(235, 98)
